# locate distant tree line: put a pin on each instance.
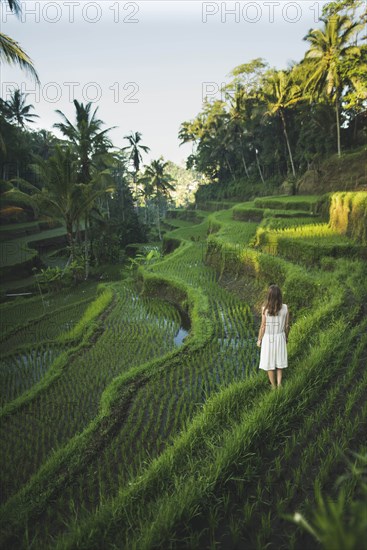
(94, 188)
(269, 124)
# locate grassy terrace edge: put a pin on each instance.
(221, 254)
(180, 493)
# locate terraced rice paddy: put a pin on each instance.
(73, 400)
(17, 250)
(20, 371)
(145, 440)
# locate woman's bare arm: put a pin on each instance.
(286, 328)
(262, 328)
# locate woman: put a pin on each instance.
(273, 336)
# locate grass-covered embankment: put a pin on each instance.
(227, 458)
(202, 376)
(163, 505)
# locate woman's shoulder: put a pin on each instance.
(285, 307)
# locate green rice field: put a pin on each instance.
(133, 413)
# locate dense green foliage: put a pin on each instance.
(270, 126)
(133, 413)
(186, 447)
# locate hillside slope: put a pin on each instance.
(347, 173)
(190, 449)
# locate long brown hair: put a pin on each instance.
(274, 300)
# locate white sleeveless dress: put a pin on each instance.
(273, 353)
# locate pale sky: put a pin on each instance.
(145, 64)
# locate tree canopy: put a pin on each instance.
(273, 125)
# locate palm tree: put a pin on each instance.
(280, 92)
(186, 133)
(10, 50)
(329, 48)
(191, 132)
(62, 195)
(12, 53)
(15, 6)
(135, 155)
(86, 136)
(155, 175)
(16, 111)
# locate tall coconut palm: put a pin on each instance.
(134, 150)
(86, 136)
(10, 50)
(280, 93)
(16, 111)
(329, 48)
(160, 181)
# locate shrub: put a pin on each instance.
(55, 278)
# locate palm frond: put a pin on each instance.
(12, 53)
(15, 6)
